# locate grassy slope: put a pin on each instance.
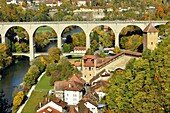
(44, 29)
(37, 95)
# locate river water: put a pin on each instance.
(12, 77)
(14, 74)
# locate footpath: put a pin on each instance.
(29, 93)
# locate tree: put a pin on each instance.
(144, 85)
(61, 71)
(54, 54)
(160, 12)
(5, 56)
(4, 104)
(117, 50)
(18, 98)
(32, 75)
(89, 51)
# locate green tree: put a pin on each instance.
(5, 56)
(144, 85)
(62, 71)
(54, 54)
(31, 76)
(89, 51)
(117, 50)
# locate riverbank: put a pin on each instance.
(36, 94)
(12, 77)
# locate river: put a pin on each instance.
(12, 77)
(14, 74)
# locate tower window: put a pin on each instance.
(89, 68)
(90, 74)
(151, 43)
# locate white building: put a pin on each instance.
(81, 3)
(73, 93)
(55, 105)
(70, 91)
(91, 105)
(11, 1)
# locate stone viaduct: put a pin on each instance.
(59, 26)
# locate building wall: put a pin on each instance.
(59, 94)
(80, 3)
(91, 107)
(80, 51)
(88, 73)
(72, 97)
(152, 40)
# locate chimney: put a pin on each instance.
(69, 85)
(40, 105)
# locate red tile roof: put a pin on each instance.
(89, 57)
(79, 48)
(68, 85)
(149, 28)
(56, 100)
(77, 78)
(49, 110)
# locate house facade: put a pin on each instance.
(70, 91)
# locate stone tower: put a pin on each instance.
(150, 35)
(89, 67)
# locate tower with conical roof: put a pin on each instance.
(150, 35)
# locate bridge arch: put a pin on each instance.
(105, 36)
(17, 38)
(131, 37)
(43, 36)
(72, 36)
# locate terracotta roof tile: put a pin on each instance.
(149, 28)
(79, 48)
(56, 100)
(49, 110)
(77, 78)
(90, 57)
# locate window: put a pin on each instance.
(89, 68)
(74, 99)
(90, 74)
(84, 76)
(74, 95)
(151, 43)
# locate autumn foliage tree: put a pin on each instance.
(54, 54)
(160, 13)
(145, 84)
(18, 99)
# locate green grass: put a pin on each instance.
(37, 95)
(44, 29)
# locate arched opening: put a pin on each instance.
(44, 38)
(131, 38)
(102, 39)
(73, 40)
(17, 39)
